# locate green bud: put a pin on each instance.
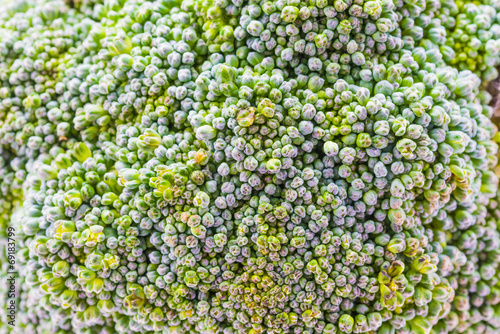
(346, 323)
(81, 152)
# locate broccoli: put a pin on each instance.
(250, 167)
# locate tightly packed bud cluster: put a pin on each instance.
(250, 167)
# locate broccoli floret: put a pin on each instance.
(249, 167)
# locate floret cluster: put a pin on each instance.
(250, 167)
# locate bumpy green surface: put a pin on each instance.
(250, 166)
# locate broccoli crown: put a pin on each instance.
(250, 167)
